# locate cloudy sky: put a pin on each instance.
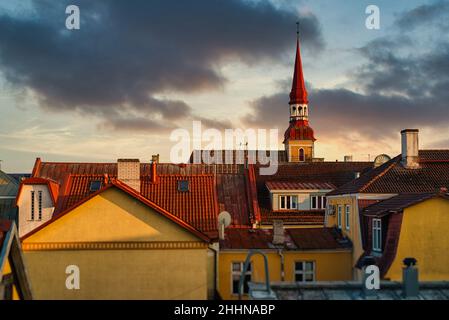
(137, 70)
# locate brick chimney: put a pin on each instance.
(410, 148)
(128, 171)
(278, 232)
(154, 162)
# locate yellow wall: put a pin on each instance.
(424, 236)
(115, 217)
(293, 147)
(7, 270)
(354, 225)
(329, 266)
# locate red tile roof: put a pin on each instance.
(392, 177)
(295, 239)
(310, 217)
(231, 184)
(292, 185)
(124, 187)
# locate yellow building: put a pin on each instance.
(397, 210)
(116, 244)
(299, 255)
(14, 280)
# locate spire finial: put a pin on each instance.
(297, 29)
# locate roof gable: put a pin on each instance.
(115, 218)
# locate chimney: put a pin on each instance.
(278, 232)
(348, 158)
(410, 282)
(155, 158)
(128, 171)
(410, 147)
(154, 161)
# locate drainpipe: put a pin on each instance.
(281, 255)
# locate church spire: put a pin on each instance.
(298, 95)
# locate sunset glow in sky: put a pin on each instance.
(137, 70)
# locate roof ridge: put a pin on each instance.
(394, 161)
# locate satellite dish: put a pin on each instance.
(224, 218)
(381, 159)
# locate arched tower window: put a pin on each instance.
(300, 111)
(301, 155)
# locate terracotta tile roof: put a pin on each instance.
(310, 217)
(231, 183)
(198, 207)
(293, 185)
(295, 239)
(124, 187)
(392, 177)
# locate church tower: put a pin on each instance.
(299, 138)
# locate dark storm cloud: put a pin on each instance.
(127, 53)
(424, 14)
(402, 84)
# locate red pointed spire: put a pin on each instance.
(298, 95)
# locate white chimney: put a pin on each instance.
(128, 171)
(410, 148)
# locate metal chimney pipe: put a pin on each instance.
(410, 283)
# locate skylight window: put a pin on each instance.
(183, 185)
(95, 185)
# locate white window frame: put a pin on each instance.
(339, 213)
(377, 235)
(347, 216)
(237, 274)
(292, 202)
(320, 201)
(304, 272)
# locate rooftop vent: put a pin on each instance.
(183, 185)
(95, 185)
(410, 278)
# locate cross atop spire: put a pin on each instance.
(298, 95)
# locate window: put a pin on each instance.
(288, 202)
(377, 235)
(318, 202)
(304, 271)
(347, 216)
(95, 185)
(32, 206)
(237, 268)
(183, 185)
(301, 155)
(39, 201)
(339, 216)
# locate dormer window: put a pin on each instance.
(317, 202)
(288, 202)
(377, 235)
(95, 185)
